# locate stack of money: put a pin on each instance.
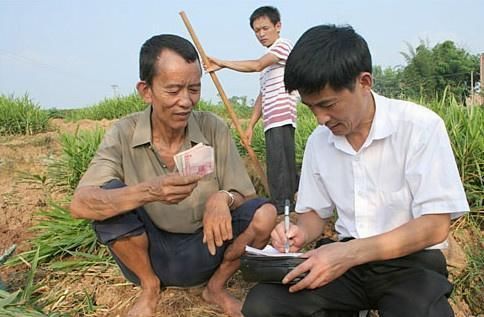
(198, 160)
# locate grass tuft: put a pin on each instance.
(21, 116)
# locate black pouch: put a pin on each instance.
(268, 269)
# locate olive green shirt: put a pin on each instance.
(128, 154)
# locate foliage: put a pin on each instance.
(109, 108)
(431, 70)
(21, 116)
(386, 81)
(77, 152)
(242, 111)
(21, 302)
(57, 236)
(58, 113)
(464, 126)
(469, 283)
(306, 123)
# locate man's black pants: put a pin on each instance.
(412, 286)
(281, 165)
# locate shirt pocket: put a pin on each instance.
(205, 188)
(394, 208)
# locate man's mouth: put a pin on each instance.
(182, 115)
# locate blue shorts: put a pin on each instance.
(178, 259)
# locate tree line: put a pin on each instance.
(429, 72)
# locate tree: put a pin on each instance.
(387, 81)
(430, 70)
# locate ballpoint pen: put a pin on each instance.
(286, 225)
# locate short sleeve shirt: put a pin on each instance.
(278, 106)
(405, 169)
(127, 154)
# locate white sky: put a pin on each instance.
(68, 54)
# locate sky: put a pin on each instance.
(72, 53)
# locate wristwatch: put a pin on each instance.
(231, 196)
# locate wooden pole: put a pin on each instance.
(227, 104)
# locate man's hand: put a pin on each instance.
(323, 265)
(217, 222)
(172, 188)
(213, 65)
(248, 135)
(296, 236)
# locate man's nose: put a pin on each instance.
(184, 98)
(322, 117)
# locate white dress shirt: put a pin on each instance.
(405, 169)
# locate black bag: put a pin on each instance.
(269, 269)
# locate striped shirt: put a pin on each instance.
(278, 107)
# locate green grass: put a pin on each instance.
(20, 115)
(109, 108)
(77, 151)
(22, 302)
(58, 238)
(465, 126)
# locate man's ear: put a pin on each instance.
(278, 26)
(144, 91)
(366, 80)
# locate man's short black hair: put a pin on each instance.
(327, 55)
(267, 11)
(152, 48)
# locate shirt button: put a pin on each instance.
(357, 158)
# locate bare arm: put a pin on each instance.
(247, 66)
(256, 114)
(95, 203)
(328, 262)
(411, 237)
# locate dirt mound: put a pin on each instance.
(85, 124)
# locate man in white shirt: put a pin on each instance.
(387, 168)
(274, 104)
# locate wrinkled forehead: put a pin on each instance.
(169, 61)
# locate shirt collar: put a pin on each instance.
(382, 126)
(142, 131)
(273, 44)
(383, 123)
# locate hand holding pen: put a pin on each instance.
(286, 225)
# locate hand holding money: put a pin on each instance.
(172, 188)
(198, 160)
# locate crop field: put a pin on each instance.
(52, 265)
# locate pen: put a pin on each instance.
(286, 225)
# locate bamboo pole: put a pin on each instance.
(227, 104)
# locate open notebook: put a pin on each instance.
(269, 251)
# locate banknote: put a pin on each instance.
(198, 160)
